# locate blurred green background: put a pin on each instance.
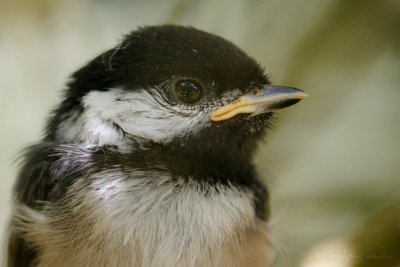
(332, 161)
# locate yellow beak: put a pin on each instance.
(268, 98)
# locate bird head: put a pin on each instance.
(173, 89)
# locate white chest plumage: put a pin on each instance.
(150, 221)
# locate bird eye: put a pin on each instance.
(188, 91)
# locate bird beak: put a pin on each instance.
(268, 98)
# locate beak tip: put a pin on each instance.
(303, 95)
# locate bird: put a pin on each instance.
(147, 161)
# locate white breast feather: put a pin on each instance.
(143, 222)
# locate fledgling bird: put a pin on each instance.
(147, 161)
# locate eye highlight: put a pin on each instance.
(188, 90)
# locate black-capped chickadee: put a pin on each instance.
(147, 161)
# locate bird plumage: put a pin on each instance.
(132, 170)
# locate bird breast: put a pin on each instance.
(148, 220)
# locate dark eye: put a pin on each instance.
(188, 91)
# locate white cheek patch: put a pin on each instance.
(70, 127)
(147, 115)
(142, 113)
(89, 127)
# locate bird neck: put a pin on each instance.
(200, 161)
(206, 164)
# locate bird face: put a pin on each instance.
(169, 85)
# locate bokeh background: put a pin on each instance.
(333, 160)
